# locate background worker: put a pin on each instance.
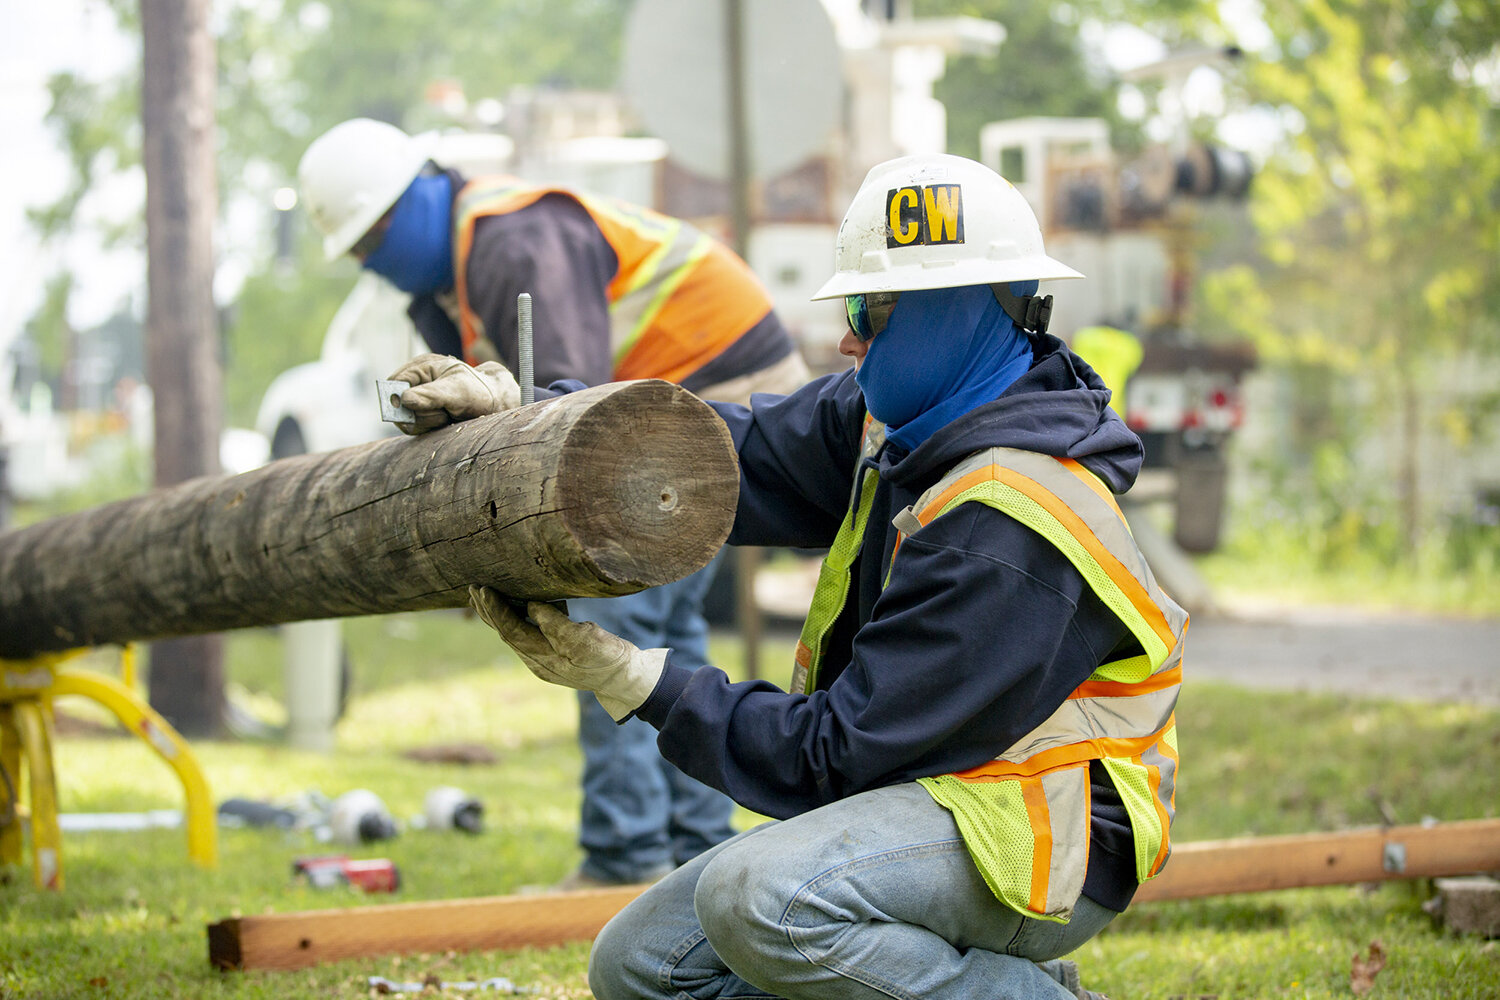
(973, 765)
(1114, 353)
(619, 292)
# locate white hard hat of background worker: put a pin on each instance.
(936, 220)
(352, 174)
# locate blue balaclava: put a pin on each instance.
(944, 352)
(417, 253)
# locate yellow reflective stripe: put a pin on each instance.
(1135, 791)
(646, 271)
(1036, 515)
(1129, 670)
(1164, 790)
(832, 589)
(664, 289)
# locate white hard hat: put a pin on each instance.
(353, 173)
(937, 221)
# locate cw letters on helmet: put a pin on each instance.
(924, 215)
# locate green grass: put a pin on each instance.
(1452, 572)
(131, 921)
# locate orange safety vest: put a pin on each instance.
(677, 300)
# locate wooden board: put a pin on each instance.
(298, 940)
(1261, 864)
(596, 493)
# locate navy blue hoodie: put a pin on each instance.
(983, 629)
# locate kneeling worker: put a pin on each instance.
(973, 765)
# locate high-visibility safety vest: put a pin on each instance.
(677, 300)
(1024, 815)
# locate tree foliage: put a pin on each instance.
(1380, 219)
(1043, 67)
(287, 71)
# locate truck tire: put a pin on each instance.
(1202, 474)
(288, 440)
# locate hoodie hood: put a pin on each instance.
(1059, 407)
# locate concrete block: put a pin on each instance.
(1469, 905)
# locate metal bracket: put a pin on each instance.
(389, 392)
(1393, 857)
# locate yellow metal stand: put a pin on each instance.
(27, 691)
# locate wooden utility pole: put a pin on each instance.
(186, 682)
(747, 558)
(597, 493)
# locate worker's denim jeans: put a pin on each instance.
(874, 896)
(641, 815)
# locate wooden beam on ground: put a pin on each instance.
(597, 493)
(1208, 868)
(299, 940)
(1260, 864)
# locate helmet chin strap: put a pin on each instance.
(1031, 313)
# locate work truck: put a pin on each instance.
(1129, 227)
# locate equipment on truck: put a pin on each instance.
(1129, 227)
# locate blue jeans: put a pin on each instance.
(874, 896)
(642, 816)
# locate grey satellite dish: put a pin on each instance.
(675, 75)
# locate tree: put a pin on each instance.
(177, 118)
(1043, 67)
(1380, 221)
(286, 72)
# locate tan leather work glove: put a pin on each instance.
(445, 390)
(579, 655)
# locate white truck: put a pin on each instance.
(330, 403)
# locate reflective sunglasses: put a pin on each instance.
(869, 313)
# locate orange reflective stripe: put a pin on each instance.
(1093, 482)
(710, 307)
(1116, 689)
(1153, 780)
(1123, 578)
(1075, 526)
(1068, 755)
(932, 510)
(1040, 817)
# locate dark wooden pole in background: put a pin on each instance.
(747, 559)
(598, 493)
(186, 677)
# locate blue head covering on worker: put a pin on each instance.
(417, 253)
(943, 352)
(960, 249)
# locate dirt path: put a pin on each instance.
(1334, 649)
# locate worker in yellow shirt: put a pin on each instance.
(1113, 353)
